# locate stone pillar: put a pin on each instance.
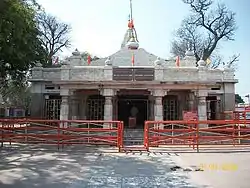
(64, 110)
(158, 106)
(191, 101)
(108, 106)
(202, 107)
(74, 108)
(7, 112)
(108, 109)
(151, 108)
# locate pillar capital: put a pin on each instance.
(159, 92)
(108, 92)
(200, 92)
(64, 92)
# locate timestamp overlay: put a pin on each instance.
(219, 166)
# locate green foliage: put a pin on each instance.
(20, 47)
(16, 94)
(238, 99)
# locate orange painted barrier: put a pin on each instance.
(196, 133)
(61, 133)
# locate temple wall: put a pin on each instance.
(100, 73)
(87, 74)
(229, 97)
(46, 73)
(193, 74)
(37, 100)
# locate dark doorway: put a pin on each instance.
(212, 108)
(128, 102)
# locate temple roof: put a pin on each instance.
(124, 58)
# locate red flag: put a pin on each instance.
(133, 59)
(89, 59)
(178, 61)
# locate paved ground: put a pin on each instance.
(221, 170)
(78, 167)
(74, 168)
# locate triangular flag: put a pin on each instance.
(247, 96)
(133, 59)
(89, 59)
(178, 61)
(208, 61)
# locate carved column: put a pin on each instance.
(83, 107)
(158, 106)
(64, 109)
(108, 109)
(74, 108)
(191, 101)
(108, 106)
(202, 106)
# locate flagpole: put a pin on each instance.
(131, 12)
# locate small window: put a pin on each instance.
(215, 88)
(49, 87)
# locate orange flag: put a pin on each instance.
(178, 61)
(133, 59)
(89, 59)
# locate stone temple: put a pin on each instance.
(131, 83)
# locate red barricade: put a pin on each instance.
(197, 133)
(60, 133)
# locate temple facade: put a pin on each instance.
(132, 80)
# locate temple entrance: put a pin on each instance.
(133, 110)
(213, 107)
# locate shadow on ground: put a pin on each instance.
(35, 166)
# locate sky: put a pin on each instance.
(98, 26)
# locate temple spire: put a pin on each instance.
(130, 39)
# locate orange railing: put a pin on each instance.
(197, 133)
(61, 133)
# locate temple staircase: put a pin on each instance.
(133, 140)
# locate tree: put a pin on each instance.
(20, 47)
(238, 99)
(54, 35)
(86, 54)
(17, 94)
(204, 29)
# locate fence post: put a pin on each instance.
(197, 137)
(26, 131)
(239, 135)
(146, 136)
(234, 130)
(58, 135)
(119, 136)
(2, 126)
(122, 131)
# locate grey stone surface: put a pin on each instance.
(37, 101)
(73, 168)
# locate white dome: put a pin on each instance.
(157, 61)
(201, 63)
(132, 44)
